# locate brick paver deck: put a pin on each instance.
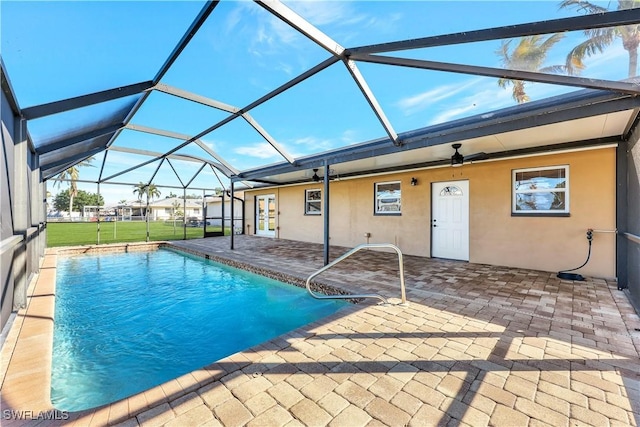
(476, 345)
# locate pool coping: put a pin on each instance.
(26, 356)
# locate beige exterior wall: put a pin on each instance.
(495, 236)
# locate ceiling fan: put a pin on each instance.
(458, 159)
(318, 178)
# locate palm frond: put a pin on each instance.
(574, 61)
(628, 4)
(582, 5)
(554, 69)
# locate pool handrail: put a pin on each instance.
(348, 254)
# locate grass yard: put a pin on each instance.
(85, 233)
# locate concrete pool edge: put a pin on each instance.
(317, 285)
(28, 352)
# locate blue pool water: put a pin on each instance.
(128, 322)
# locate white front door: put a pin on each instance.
(450, 220)
(266, 215)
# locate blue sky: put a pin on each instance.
(57, 50)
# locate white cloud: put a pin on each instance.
(486, 96)
(421, 101)
(323, 12)
(312, 144)
(261, 150)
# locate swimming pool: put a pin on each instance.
(127, 322)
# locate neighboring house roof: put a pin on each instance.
(218, 199)
(169, 202)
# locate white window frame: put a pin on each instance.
(376, 207)
(540, 212)
(307, 202)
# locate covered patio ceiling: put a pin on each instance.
(187, 134)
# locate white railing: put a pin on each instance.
(403, 296)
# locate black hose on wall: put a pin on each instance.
(565, 275)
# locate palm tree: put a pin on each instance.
(151, 191)
(599, 39)
(528, 55)
(72, 175)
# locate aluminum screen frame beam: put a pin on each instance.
(66, 163)
(186, 39)
(180, 46)
(175, 135)
(180, 93)
(561, 25)
(297, 22)
(622, 87)
(181, 157)
(230, 109)
(56, 107)
(371, 99)
(254, 124)
(300, 78)
(57, 145)
(538, 114)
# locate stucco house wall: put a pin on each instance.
(495, 236)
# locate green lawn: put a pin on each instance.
(85, 233)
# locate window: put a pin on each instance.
(312, 202)
(168, 210)
(451, 190)
(542, 191)
(387, 198)
(196, 210)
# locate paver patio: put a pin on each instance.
(476, 345)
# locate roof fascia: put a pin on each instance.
(561, 25)
(542, 113)
(549, 149)
(56, 107)
(631, 88)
